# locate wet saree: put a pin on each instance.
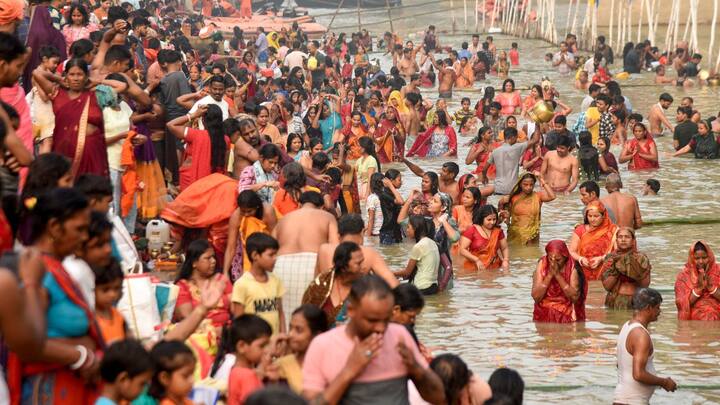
(555, 306)
(482, 159)
(349, 196)
(318, 293)
(71, 137)
(707, 307)
(389, 141)
(629, 267)
(485, 249)
(595, 242)
(353, 151)
(524, 224)
(423, 143)
(637, 162)
(465, 76)
(47, 383)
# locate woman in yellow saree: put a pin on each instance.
(593, 240)
(522, 208)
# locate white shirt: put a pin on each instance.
(207, 100)
(586, 102)
(116, 122)
(295, 59)
(83, 276)
(629, 391)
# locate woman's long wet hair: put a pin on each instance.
(341, 257)
(213, 121)
(442, 119)
(368, 146)
(508, 382)
(453, 373)
(477, 196)
(295, 179)
(434, 182)
(376, 183)
(484, 211)
(251, 199)
(422, 227)
(192, 254)
(517, 189)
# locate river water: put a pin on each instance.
(487, 317)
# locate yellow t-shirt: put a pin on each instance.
(291, 371)
(593, 114)
(258, 298)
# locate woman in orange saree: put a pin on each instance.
(353, 131)
(483, 244)
(696, 289)
(624, 270)
(559, 288)
(523, 209)
(470, 201)
(465, 74)
(390, 137)
(593, 240)
(481, 150)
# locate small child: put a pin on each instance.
(126, 368)
(174, 365)
(652, 187)
(514, 54)
(247, 336)
(258, 291)
(108, 290)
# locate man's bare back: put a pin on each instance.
(625, 207)
(657, 118)
(451, 189)
(304, 230)
(560, 172)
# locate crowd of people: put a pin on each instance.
(274, 158)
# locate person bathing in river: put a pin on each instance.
(483, 245)
(657, 118)
(624, 205)
(507, 160)
(522, 208)
(559, 287)
(624, 270)
(641, 152)
(696, 288)
(560, 168)
(593, 239)
(448, 178)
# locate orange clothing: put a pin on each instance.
(596, 242)
(112, 329)
(129, 182)
(246, 8)
(485, 249)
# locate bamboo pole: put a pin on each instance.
(712, 31)
(494, 13)
(652, 20)
(593, 31)
(387, 6)
(677, 25)
(670, 25)
(526, 19)
(629, 22)
(612, 20)
(618, 40)
(476, 15)
(696, 44)
(465, 13)
(574, 22)
(642, 3)
(452, 13)
(358, 16)
(336, 13)
(687, 26)
(515, 15)
(569, 15)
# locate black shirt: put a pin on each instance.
(631, 63)
(684, 133)
(390, 210)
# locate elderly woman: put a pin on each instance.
(559, 288)
(696, 289)
(624, 270)
(330, 289)
(593, 240)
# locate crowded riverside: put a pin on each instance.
(199, 211)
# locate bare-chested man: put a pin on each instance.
(350, 227)
(657, 118)
(412, 86)
(560, 169)
(411, 119)
(448, 183)
(625, 206)
(446, 78)
(300, 235)
(407, 65)
(245, 148)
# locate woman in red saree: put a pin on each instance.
(641, 152)
(439, 140)
(696, 289)
(481, 150)
(74, 343)
(593, 240)
(79, 127)
(559, 288)
(483, 245)
(624, 271)
(390, 137)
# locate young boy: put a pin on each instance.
(514, 54)
(126, 369)
(41, 111)
(108, 290)
(99, 191)
(95, 252)
(252, 335)
(652, 187)
(258, 291)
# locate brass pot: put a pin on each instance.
(703, 74)
(541, 112)
(714, 81)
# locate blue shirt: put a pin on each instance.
(464, 53)
(105, 401)
(261, 43)
(64, 317)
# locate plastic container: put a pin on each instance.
(157, 233)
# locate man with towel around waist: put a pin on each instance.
(300, 234)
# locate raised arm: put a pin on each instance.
(46, 81)
(178, 126)
(413, 167)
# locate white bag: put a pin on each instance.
(138, 306)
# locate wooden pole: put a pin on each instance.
(337, 10)
(670, 25)
(677, 25)
(514, 17)
(387, 5)
(640, 20)
(569, 15)
(618, 40)
(358, 15)
(593, 32)
(574, 22)
(484, 14)
(476, 14)
(712, 31)
(526, 19)
(696, 44)
(494, 13)
(652, 21)
(629, 23)
(452, 13)
(612, 20)
(687, 25)
(465, 13)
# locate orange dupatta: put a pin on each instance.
(596, 242)
(129, 182)
(249, 226)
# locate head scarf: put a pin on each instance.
(463, 179)
(705, 308)
(600, 208)
(447, 203)
(11, 11)
(557, 246)
(401, 107)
